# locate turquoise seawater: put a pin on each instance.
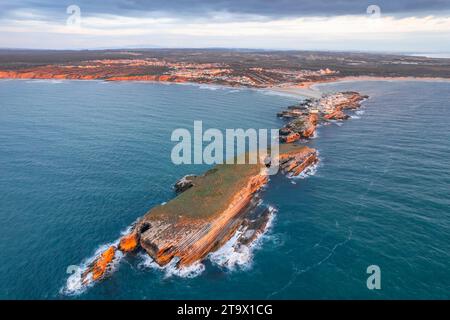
(80, 161)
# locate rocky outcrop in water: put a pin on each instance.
(304, 118)
(129, 242)
(181, 230)
(223, 203)
(100, 266)
(205, 214)
(184, 183)
(191, 238)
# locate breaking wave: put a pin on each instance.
(357, 114)
(209, 87)
(309, 171)
(269, 92)
(234, 255)
(231, 256)
(213, 87)
(75, 284)
(52, 81)
(171, 268)
(234, 90)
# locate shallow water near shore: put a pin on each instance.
(80, 161)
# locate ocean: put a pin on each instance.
(82, 160)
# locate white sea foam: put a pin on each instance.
(233, 255)
(191, 271)
(74, 284)
(208, 87)
(52, 81)
(269, 92)
(213, 87)
(309, 171)
(357, 114)
(171, 268)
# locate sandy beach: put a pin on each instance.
(307, 91)
(312, 90)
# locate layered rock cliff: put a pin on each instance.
(220, 204)
(188, 237)
(205, 215)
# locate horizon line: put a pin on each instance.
(224, 48)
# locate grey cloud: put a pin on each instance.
(198, 8)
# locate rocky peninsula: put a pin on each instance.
(206, 213)
(304, 117)
(223, 203)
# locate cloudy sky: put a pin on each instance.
(378, 25)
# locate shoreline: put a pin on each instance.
(311, 89)
(308, 89)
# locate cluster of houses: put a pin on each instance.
(304, 117)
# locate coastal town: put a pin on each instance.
(237, 68)
(305, 116)
(152, 69)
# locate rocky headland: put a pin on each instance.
(224, 202)
(205, 214)
(304, 117)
